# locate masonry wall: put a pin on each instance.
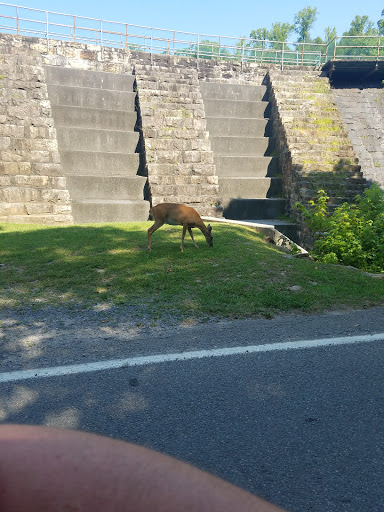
(32, 186)
(362, 110)
(314, 145)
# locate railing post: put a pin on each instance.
(282, 56)
(47, 29)
(74, 28)
(378, 49)
(242, 55)
(262, 52)
(151, 46)
(197, 53)
(326, 52)
(174, 37)
(17, 20)
(126, 36)
(334, 49)
(101, 33)
(219, 46)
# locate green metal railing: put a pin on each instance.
(51, 26)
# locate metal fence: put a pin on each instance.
(50, 25)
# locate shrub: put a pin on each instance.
(353, 234)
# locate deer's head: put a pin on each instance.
(208, 236)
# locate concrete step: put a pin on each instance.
(106, 187)
(57, 75)
(87, 139)
(249, 188)
(243, 209)
(246, 127)
(91, 211)
(150, 81)
(215, 90)
(174, 70)
(91, 98)
(235, 108)
(243, 166)
(93, 118)
(242, 146)
(288, 228)
(100, 164)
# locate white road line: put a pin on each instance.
(58, 371)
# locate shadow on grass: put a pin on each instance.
(240, 276)
(94, 263)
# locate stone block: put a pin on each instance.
(40, 156)
(46, 169)
(19, 194)
(54, 195)
(12, 209)
(10, 130)
(5, 143)
(10, 156)
(192, 156)
(13, 168)
(5, 181)
(166, 157)
(203, 169)
(58, 182)
(31, 181)
(62, 209)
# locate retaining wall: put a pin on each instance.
(314, 146)
(362, 110)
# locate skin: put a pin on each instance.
(57, 470)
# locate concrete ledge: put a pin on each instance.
(275, 235)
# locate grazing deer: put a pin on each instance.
(178, 214)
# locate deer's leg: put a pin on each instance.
(193, 240)
(151, 230)
(183, 236)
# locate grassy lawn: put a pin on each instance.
(241, 276)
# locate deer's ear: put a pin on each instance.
(209, 228)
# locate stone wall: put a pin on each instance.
(179, 160)
(314, 149)
(32, 187)
(363, 114)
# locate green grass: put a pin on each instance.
(240, 276)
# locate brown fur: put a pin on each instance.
(172, 213)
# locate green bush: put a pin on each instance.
(353, 234)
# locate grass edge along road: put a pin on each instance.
(108, 264)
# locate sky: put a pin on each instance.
(226, 18)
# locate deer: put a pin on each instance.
(178, 214)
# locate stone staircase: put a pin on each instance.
(249, 185)
(94, 115)
(321, 155)
(179, 158)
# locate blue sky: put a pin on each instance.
(227, 18)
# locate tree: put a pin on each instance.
(380, 25)
(304, 21)
(361, 26)
(330, 34)
(279, 32)
(206, 50)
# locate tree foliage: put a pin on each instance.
(380, 25)
(304, 21)
(353, 234)
(279, 32)
(361, 26)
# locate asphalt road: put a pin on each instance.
(302, 428)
